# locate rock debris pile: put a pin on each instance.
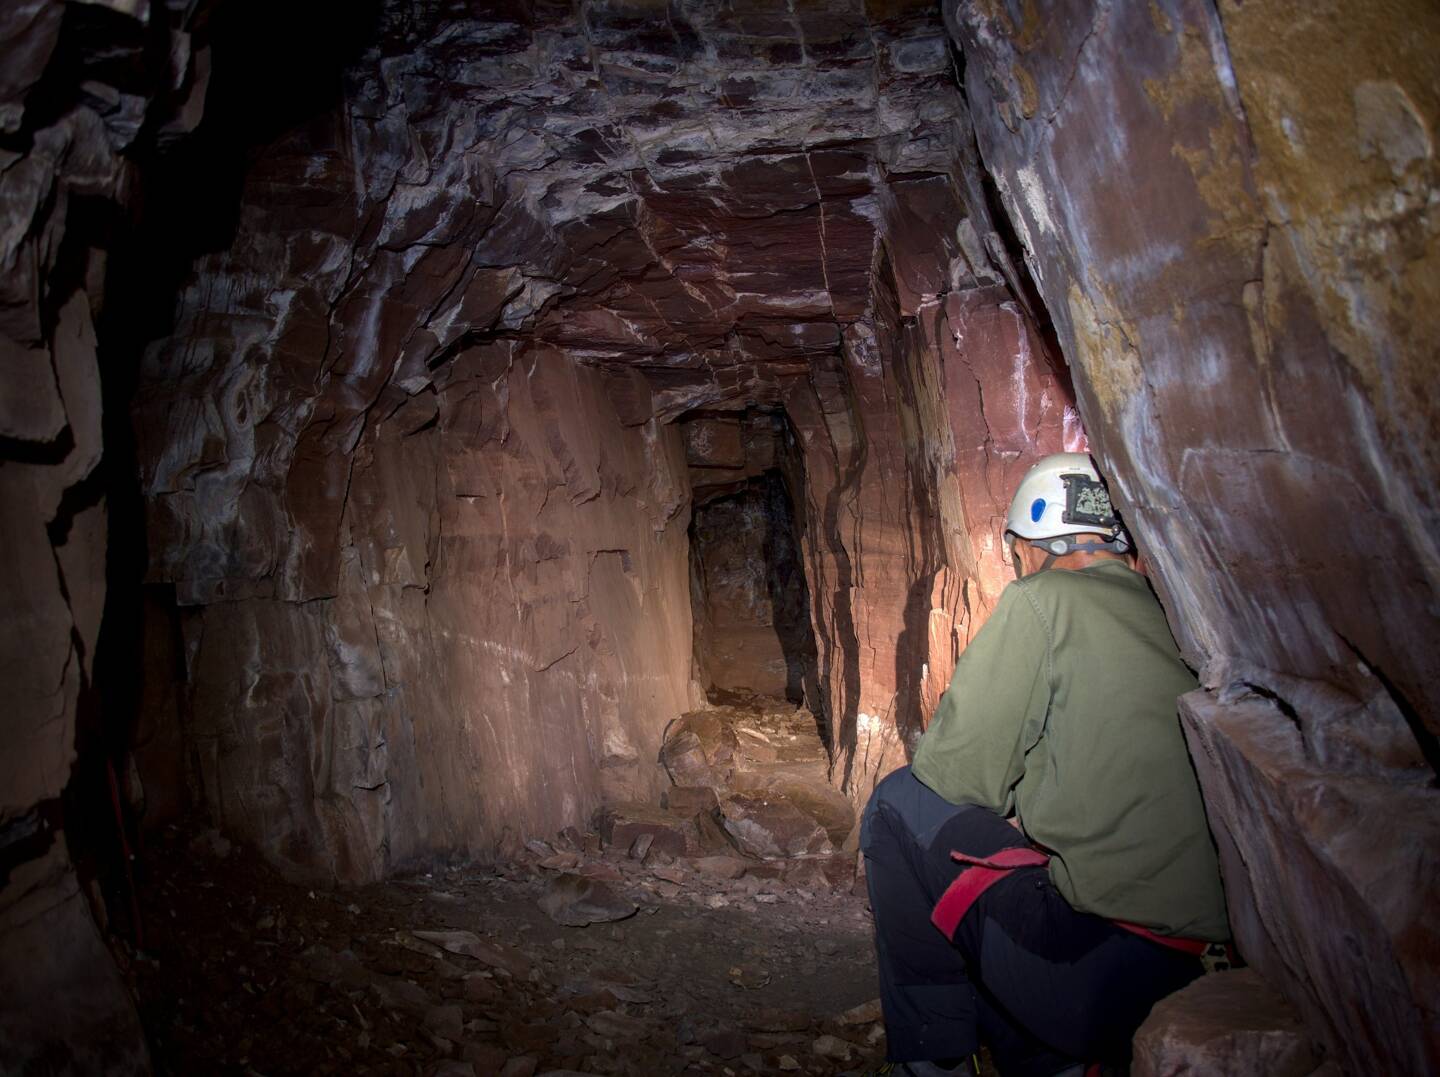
(750, 779)
(690, 965)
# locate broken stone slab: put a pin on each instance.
(712, 837)
(402, 995)
(828, 1046)
(614, 1025)
(1330, 877)
(409, 941)
(480, 987)
(863, 1014)
(690, 801)
(622, 825)
(574, 901)
(826, 805)
(720, 867)
(773, 828)
(700, 750)
(756, 746)
(1227, 1024)
(726, 1043)
(447, 1021)
(469, 944)
(598, 869)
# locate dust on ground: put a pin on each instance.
(245, 973)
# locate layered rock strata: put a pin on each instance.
(85, 92)
(410, 455)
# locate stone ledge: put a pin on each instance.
(1226, 1024)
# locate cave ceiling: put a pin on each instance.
(698, 191)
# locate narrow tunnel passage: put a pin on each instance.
(752, 609)
(472, 469)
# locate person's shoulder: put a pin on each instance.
(1061, 585)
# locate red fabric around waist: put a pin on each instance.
(985, 872)
(1193, 947)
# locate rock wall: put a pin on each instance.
(745, 213)
(1231, 213)
(78, 83)
(907, 469)
(508, 634)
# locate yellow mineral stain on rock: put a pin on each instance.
(1360, 208)
(1024, 37)
(1160, 19)
(1190, 82)
(1031, 28)
(1029, 96)
(1105, 348)
(1223, 182)
(1192, 101)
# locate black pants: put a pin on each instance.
(1043, 985)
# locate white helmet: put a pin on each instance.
(1061, 496)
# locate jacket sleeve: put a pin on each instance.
(994, 711)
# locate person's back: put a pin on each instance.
(1061, 721)
(1108, 789)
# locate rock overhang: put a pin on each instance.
(679, 187)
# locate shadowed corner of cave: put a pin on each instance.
(486, 490)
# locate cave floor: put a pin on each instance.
(245, 973)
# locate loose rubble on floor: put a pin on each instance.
(721, 932)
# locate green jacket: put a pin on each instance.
(1062, 711)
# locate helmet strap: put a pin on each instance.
(1063, 545)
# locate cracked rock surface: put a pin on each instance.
(410, 457)
(398, 348)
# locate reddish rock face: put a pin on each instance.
(1229, 210)
(1230, 1023)
(411, 454)
(501, 309)
(511, 617)
(69, 129)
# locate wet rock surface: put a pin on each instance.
(431, 974)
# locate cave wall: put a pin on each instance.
(508, 633)
(909, 445)
(76, 90)
(1231, 213)
(568, 187)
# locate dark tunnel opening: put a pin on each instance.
(751, 601)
